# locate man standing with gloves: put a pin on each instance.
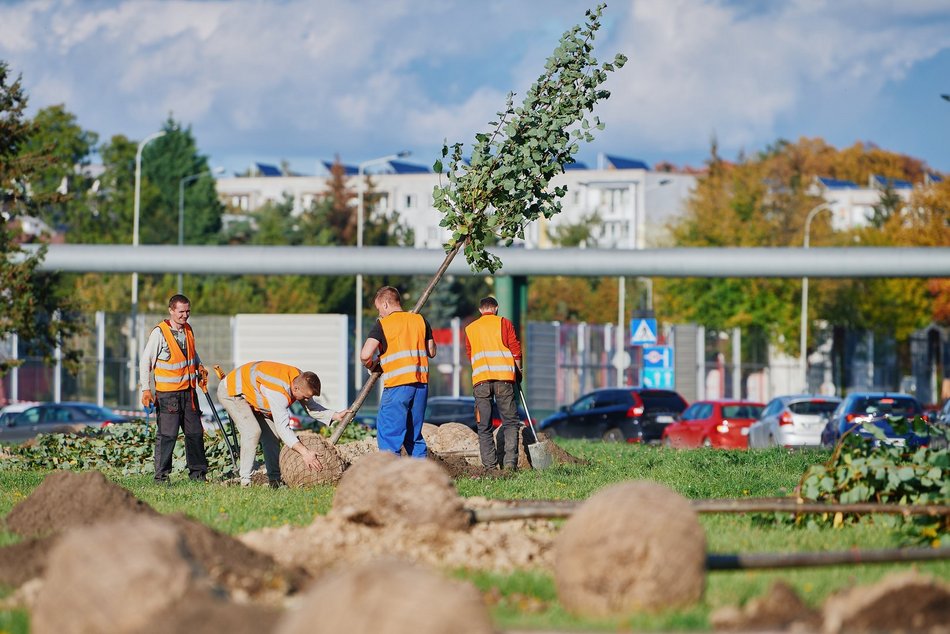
(170, 353)
(495, 353)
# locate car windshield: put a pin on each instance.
(741, 411)
(94, 411)
(658, 400)
(813, 407)
(887, 405)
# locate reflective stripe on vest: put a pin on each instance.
(405, 360)
(491, 360)
(178, 372)
(248, 379)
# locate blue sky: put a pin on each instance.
(304, 81)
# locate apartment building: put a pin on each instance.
(627, 204)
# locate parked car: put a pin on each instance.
(792, 421)
(721, 423)
(46, 417)
(862, 408)
(451, 409)
(9, 413)
(617, 414)
(943, 416)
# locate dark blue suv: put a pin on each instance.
(875, 408)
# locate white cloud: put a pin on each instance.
(296, 76)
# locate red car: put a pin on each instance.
(723, 424)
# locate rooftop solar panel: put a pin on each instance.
(575, 166)
(349, 170)
(265, 169)
(621, 163)
(836, 183)
(894, 183)
(401, 167)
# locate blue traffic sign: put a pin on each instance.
(661, 379)
(642, 331)
(658, 357)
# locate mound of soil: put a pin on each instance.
(332, 541)
(632, 547)
(901, 602)
(297, 474)
(116, 576)
(203, 614)
(66, 499)
(383, 491)
(459, 467)
(386, 598)
(557, 453)
(780, 608)
(24, 561)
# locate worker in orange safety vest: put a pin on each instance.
(170, 354)
(495, 353)
(404, 344)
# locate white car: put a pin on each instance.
(8, 413)
(792, 421)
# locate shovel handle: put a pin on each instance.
(525, 404)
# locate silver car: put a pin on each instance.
(792, 421)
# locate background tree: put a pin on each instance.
(31, 306)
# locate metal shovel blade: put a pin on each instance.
(539, 452)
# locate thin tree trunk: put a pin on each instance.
(374, 376)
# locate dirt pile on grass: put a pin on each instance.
(384, 490)
(386, 598)
(632, 547)
(296, 474)
(65, 499)
(134, 574)
(780, 608)
(350, 452)
(901, 602)
(332, 541)
(455, 439)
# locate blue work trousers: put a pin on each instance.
(399, 421)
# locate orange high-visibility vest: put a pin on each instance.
(178, 373)
(491, 360)
(405, 360)
(250, 377)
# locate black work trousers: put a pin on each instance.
(179, 410)
(502, 393)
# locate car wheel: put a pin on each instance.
(707, 443)
(613, 435)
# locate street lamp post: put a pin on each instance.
(802, 360)
(358, 367)
(135, 242)
(181, 209)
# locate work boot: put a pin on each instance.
(277, 484)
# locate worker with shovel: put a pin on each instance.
(170, 353)
(257, 397)
(495, 353)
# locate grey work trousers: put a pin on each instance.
(502, 393)
(254, 428)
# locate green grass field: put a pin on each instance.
(528, 599)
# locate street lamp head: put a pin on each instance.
(403, 154)
(946, 97)
(218, 170)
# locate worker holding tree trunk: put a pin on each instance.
(495, 353)
(170, 352)
(404, 345)
(257, 397)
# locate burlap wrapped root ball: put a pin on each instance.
(632, 547)
(455, 439)
(389, 598)
(295, 472)
(114, 577)
(383, 489)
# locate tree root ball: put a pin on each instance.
(114, 577)
(389, 598)
(632, 547)
(296, 474)
(455, 439)
(383, 489)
